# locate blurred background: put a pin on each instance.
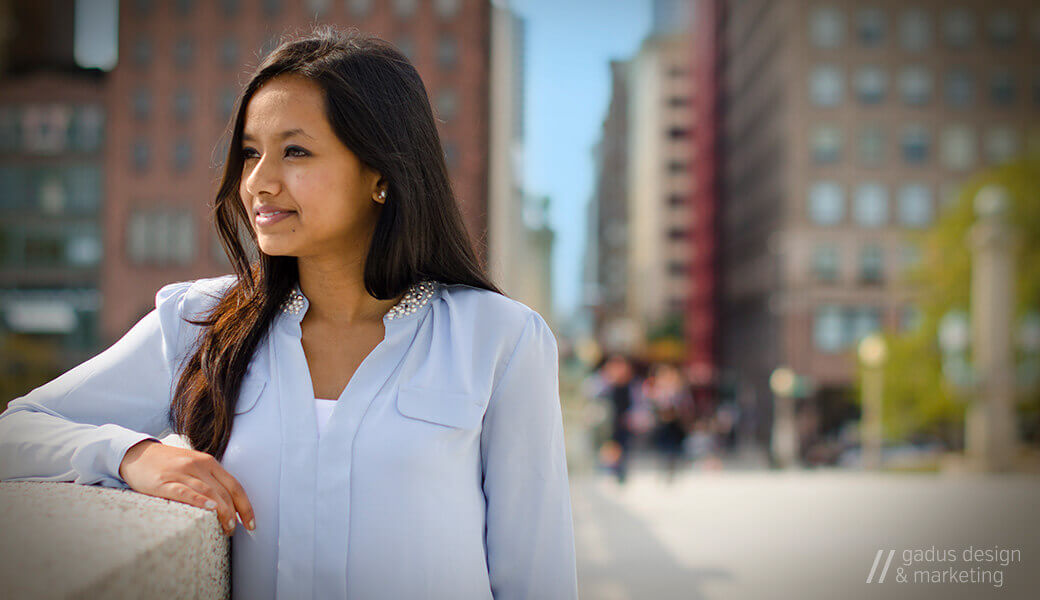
(791, 242)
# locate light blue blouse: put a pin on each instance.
(441, 472)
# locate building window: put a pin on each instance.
(184, 52)
(447, 51)
(161, 236)
(958, 28)
(915, 30)
(318, 9)
(141, 100)
(143, 8)
(84, 184)
(870, 207)
(677, 268)
(677, 233)
(959, 88)
(181, 155)
(447, 104)
(1001, 144)
(870, 26)
(828, 328)
(872, 145)
(676, 167)
(229, 52)
(226, 103)
(915, 205)
(676, 200)
(871, 264)
(825, 86)
(957, 147)
(45, 127)
(229, 7)
(1002, 87)
(678, 101)
(88, 128)
(446, 9)
(826, 144)
(678, 133)
(915, 144)
(825, 263)
(183, 103)
(915, 85)
(451, 154)
(10, 129)
(870, 84)
(271, 8)
(1002, 28)
(405, 44)
(141, 155)
(405, 8)
(359, 8)
(861, 321)
(826, 27)
(142, 52)
(826, 203)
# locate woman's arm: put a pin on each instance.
(78, 426)
(530, 535)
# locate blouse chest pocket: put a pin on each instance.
(249, 392)
(440, 407)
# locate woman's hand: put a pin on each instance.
(186, 476)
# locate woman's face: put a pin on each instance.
(294, 163)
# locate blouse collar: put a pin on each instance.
(415, 299)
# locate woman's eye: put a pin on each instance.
(248, 153)
(301, 151)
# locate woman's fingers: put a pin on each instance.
(238, 494)
(221, 500)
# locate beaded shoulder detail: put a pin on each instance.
(417, 296)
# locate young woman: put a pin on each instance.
(379, 417)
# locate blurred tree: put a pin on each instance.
(918, 401)
(26, 362)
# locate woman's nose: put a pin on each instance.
(263, 177)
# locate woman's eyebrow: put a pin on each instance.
(281, 136)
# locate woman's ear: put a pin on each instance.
(380, 192)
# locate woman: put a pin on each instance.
(381, 418)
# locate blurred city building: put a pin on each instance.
(52, 135)
(519, 238)
(642, 191)
(842, 126)
(172, 94)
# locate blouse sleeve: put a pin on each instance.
(529, 535)
(79, 426)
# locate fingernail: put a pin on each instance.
(211, 504)
(252, 524)
(231, 524)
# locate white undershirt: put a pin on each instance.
(323, 407)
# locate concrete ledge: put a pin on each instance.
(66, 540)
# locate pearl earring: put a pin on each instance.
(382, 194)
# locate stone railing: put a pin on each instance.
(67, 540)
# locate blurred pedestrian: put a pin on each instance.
(671, 401)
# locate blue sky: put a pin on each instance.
(569, 46)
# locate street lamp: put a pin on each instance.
(785, 433)
(872, 354)
(990, 431)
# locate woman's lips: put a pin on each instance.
(270, 218)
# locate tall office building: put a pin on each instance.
(52, 134)
(181, 67)
(842, 126)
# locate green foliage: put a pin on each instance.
(918, 400)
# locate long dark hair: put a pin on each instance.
(376, 103)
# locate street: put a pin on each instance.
(802, 534)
